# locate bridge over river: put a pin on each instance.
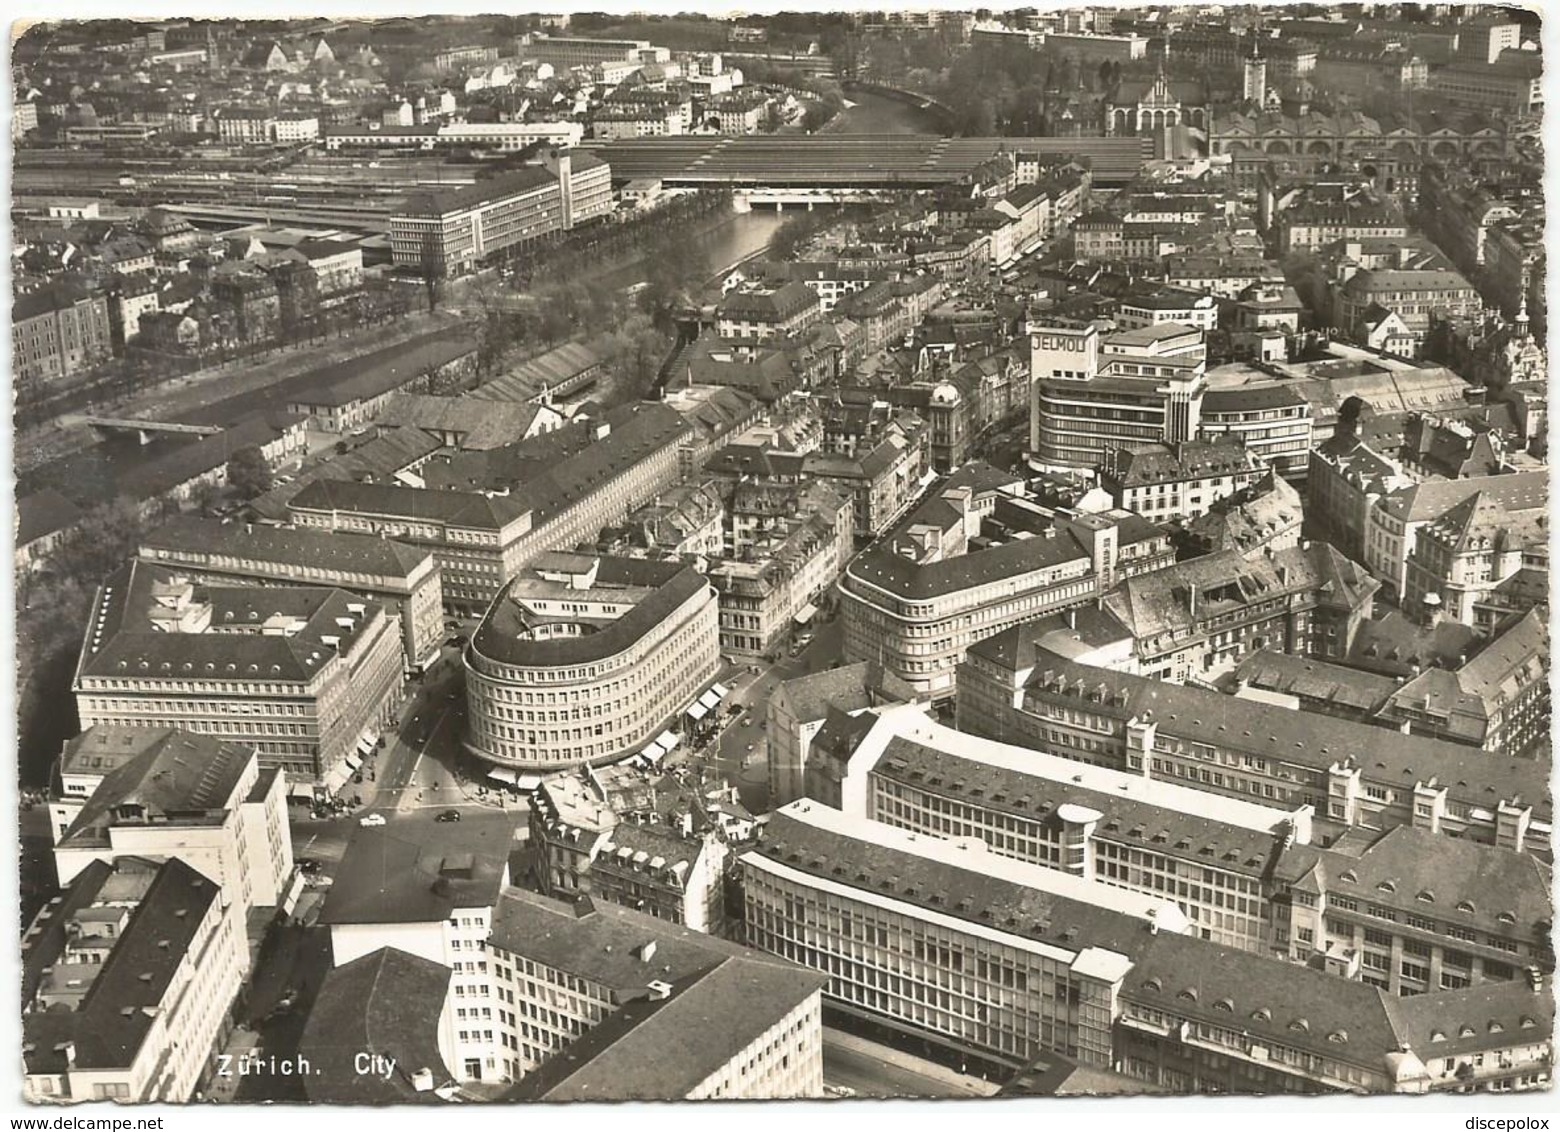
(840, 160)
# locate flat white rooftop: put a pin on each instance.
(1024, 762)
(971, 854)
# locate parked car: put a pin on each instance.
(448, 815)
(308, 865)
(371, 820)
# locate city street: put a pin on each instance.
(870, 1069)
(416, 775)
(741, 753)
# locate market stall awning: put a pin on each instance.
(365, 745)
(720, 690)
(709, 701)
(698, 711)
(667, 741)
(337, 778)
(500, 774)
(529, 781)
(304, 790)
(806, 613)
(354, 759)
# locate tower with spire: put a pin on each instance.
(1254, 79)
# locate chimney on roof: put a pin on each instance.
(1535, 978)
(660, 990)
(645, 952)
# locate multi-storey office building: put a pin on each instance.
(1095, 393)
(564, 51)
(128, 981)
(561, 970)
(972, 559)
(430, 892)
(585, 660)
(957, 945)
(303, 674)
(493, 512)
(476, 540)
(153, 792)
(453, 57)
(1272, 421)
(1353, 774)
(379, 568)
(453, 233)
(953, 944)
(1245, 875)
(945, 940)
(1210, 855)
(750, 1056)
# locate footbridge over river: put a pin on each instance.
(146, 431)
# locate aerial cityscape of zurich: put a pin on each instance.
(834, 555)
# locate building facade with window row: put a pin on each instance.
(379, 568)
(944, 940)
(1352, 774)
(301, 674)
(972, 559)
(583, 660)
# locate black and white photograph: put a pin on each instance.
(792, 555)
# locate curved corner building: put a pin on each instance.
(585, 659)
